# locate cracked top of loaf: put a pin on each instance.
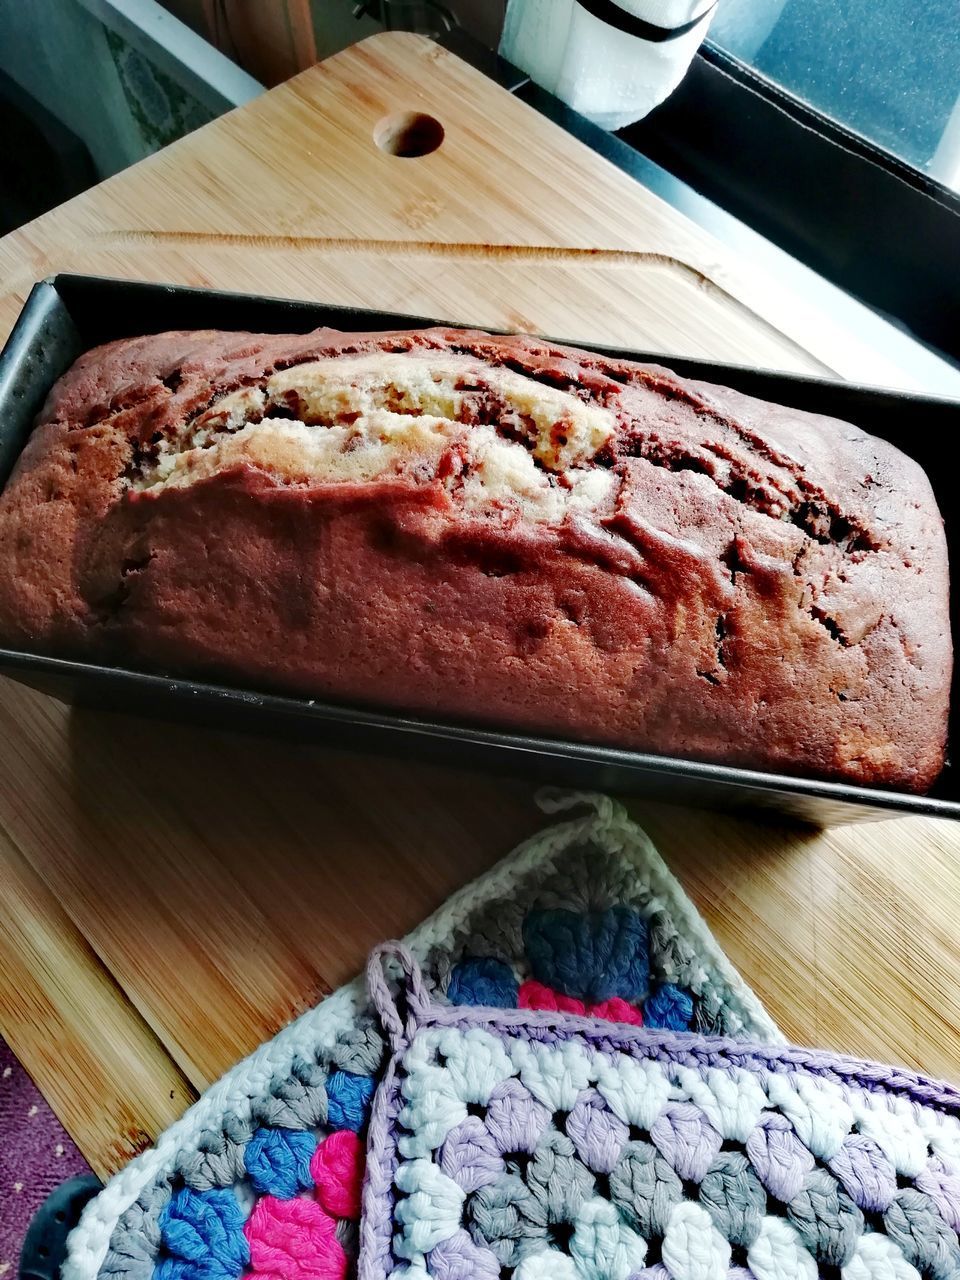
(490, 528)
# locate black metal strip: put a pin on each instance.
(840, 205)
(611, 14)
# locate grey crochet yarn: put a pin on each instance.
(135, 1242)
(827, 1220)
(732, 1195)
(590, 879)
(709, 1016)
(645, 1188)
(671, 956)
(218, 1158)
(360, 1051)
(927, 1243)
(507, 1218)
(495, 930)
(557, 1179)
(296, 1101)
(348, 1235)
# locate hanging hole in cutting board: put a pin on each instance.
(408, 133)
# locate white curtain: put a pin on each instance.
(608, 75)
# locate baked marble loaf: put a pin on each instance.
(489, 529)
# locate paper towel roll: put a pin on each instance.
(608, 74)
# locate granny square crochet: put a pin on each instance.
(548, 1146)
(261, 1178)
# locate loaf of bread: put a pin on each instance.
(493, 530)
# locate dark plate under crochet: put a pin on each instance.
(67, 315)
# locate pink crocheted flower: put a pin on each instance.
(337, 1169)
(534, 995)
(294, 1240)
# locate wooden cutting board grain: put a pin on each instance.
(171, 896)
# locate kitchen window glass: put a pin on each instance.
(886, 69)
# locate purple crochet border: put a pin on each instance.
(683, 1048)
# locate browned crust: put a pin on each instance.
(772, 589)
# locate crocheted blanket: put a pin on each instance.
(262, 1175)
(549, 1146)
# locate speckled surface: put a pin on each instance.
(36, 1155)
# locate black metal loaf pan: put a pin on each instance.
(67, 315)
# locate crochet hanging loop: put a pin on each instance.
(399, 1011)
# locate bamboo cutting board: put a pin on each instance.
(510, 222)
(169, 897)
